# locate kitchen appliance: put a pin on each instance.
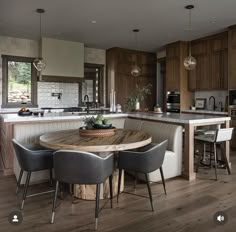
(173, 101)
(232, 97)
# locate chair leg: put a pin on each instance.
(119, 182)
(135, 180)
(149, 190)
(97, 205)
(163, 179)
(200, 156)
(111, 189)
(51, 179)
(54, 202)
(18, 181)
(223, 156)
(215, 156)
(25, 190)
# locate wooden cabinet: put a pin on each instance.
(232, 57)
(176, 74)
(211, 72)
(119, 64)
(233, 140)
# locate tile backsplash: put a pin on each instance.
(69, 97)
(220, 96)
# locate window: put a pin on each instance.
(19, 83)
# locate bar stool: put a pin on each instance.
(218, 137)
(32, 158)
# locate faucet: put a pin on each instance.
(86, 101)
(214, 102)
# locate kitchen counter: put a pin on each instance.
(210, 112)
(27, 129)
(164, 117)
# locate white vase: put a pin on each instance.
(137, 105)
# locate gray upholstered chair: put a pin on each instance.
(145, 160)
(217, 137)
(31, 158)
(77, 167)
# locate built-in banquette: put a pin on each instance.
(172, 165)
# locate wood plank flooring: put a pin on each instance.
(187, 207)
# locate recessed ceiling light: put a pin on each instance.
(93, 21)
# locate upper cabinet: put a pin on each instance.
(63, 58)
(211, 72)
(232, 58)
(119, 63)
(176, 74)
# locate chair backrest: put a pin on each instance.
(132, 124)
(147, 160)
(224, 134)
(77, 167)
(32, 160)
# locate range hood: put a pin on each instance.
(63, 59)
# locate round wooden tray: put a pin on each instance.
(99, 133)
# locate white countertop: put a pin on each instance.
(15, 118)
(165, 117)
(205, 112)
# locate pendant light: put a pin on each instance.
(135, 71)
(39, 63)
(190, 62)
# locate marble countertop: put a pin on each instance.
(15, 118)
(164, 117)
(205, 112)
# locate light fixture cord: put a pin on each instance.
(40, 25)
(190, 29)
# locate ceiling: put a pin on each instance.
(160, 21)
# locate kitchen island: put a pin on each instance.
(29, 129)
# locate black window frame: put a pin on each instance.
(5, 103)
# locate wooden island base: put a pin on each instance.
(88, 192)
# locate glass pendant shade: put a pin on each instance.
(135, 71)
(190, 63)
(39, 64)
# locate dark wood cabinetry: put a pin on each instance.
(176, 74)
(211, 72)
(119, 64)
(232, 57)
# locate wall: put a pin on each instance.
(29, 48)
(220, 96)
(69, 97)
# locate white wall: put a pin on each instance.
(29, 48)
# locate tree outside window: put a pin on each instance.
(19, 82)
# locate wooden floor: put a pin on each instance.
(187, 207)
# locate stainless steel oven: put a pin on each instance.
(173, 101)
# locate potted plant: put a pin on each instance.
(133, 101)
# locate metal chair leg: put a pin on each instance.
(111, 189)
(54, 202)
(215, 156)
(149, 190)
(51, 176)
(119, 182)
(18, 181)
(223, 156)
(25, 190)
(163, 179)
(97, 205)
(200, 156)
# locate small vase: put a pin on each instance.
(137, 105)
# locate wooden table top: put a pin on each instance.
(71, 140)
